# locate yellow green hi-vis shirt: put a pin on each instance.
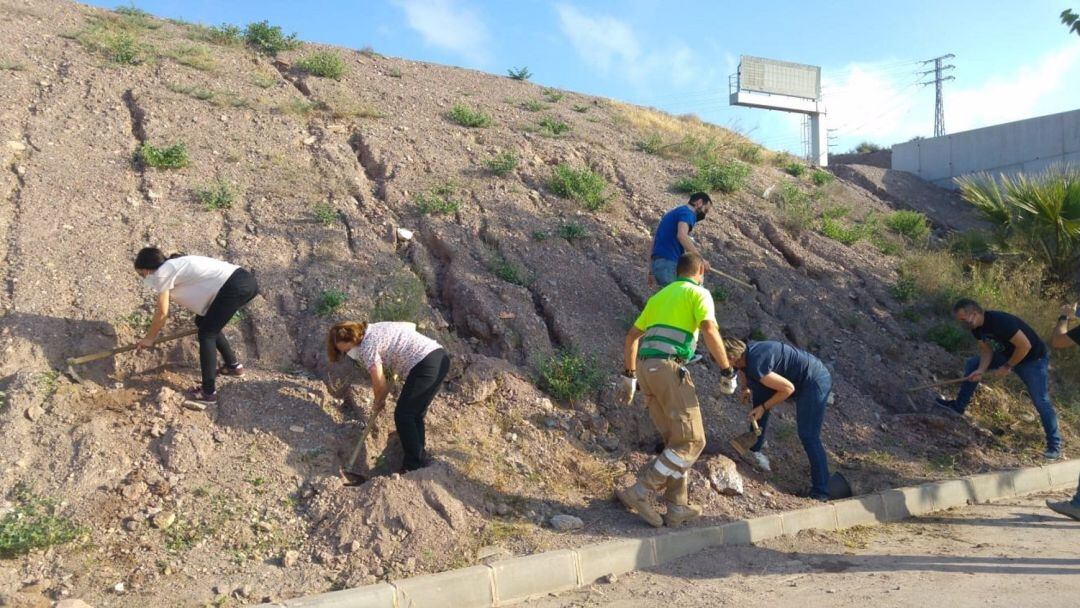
(671, 320)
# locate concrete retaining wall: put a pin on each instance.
(509, 581)
(1024, 146)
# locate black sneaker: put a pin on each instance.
(949, 405)
(1067, 509)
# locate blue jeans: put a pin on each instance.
(663, 270)
(1035, 375)
(809, 416)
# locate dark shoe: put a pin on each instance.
(226, 370)
(198, 396)
(1065, 508)
(1052, 454)
(949, 405)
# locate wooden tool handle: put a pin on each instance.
(123, 349)
(732, 279)
(936, 384)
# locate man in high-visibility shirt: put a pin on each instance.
(667, 331)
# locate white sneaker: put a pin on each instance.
(760, 461)
(697, 357)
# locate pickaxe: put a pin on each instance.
(72, 362)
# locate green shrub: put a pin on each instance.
(581, 109)
(552, 127)
(796, 210)
(225, 34)
(218, 195)
(865, 148)
(116, 38)
(713, 176)
(394, 73)
(193, 56)
(905, 290)
(749, 153)
(836, 211)
(909, 224)
(573, 231)
(195, 91)
(467, 117)
(33, 524)
(795, 169)
(325, 213)
(329, 302)
(264, 80)
(971, 244)
(582, 185)
(521, 73)
(539, 235)
(950, 336)
(839, 231)
(719, 293)
(439, 200)
(171, 157)
(532, 105)
(821, 178)
(323, 65)
(269, 39)
(509, 271)
(652, 144)
(568, 375)
(502, 164)
(552, 95)
(401, 300)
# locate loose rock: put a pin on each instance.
(566, 523)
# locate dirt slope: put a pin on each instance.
(326, 171)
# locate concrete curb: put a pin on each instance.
(513, 580)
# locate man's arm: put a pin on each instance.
(985, 356)
(1060, 338)
(1021, 348)
(711, 332)
(630, 348)
(782, 389)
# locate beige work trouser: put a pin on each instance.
(674, 410)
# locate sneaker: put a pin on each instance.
(1065, 508)
(760, 461)
(697, 357)
(227, 370)
(1052, 454)
(633, 499)
(198, 396)
(678, 515)
(949, 405)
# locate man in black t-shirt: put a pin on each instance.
(1007, 344)
(1064, 337)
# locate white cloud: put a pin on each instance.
(449, 25)
(612, 47)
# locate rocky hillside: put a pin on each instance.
(308, 181)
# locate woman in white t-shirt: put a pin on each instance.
(214, 291)
(411, 355)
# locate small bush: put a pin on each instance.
(971, 244)
(521, 73)
(264, 80)
(197, 92)
(539, 235)
(329, 302)
(713, 176)
(300, 107)
(509, 271)
(439, 200)
(394, 73)
(401, 300)
(582, 185)
(573, 231)
(193, 56)
(796, 210)
(325, 213)
(502, 164)
(652, 144)
(580, 109)
(269, 39)
(950, 336)
(821, 178)
(467, 117)
(552, 95)
(909, 224)
(552, 127)
(569, 375)
(795, 169)
(865, 147)
(323, 65)
(33, 524)
(836, 211)
(532, 105)
(720, 293)
(216, 196)
(225, 34)
(905, 290)
(839, 231)
(172, 157)
(749, 153)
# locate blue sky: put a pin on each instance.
(1013, 59)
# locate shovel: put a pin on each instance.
(105, 354)
(733, 279)
(742, 443)
(353, 478)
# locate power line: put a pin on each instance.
(939, 109)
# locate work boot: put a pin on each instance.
(1052, 454)
(678, 515)
(639, 500)
(949, 405)
(760, 461)
(1066, 508)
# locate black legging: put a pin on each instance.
(237, 291)
(421, 386)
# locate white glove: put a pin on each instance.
(729, 381)
(627, 388)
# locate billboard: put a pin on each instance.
(779, 77)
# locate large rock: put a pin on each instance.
(724, 476)
(185, 448)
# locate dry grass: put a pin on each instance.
(685, 136)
